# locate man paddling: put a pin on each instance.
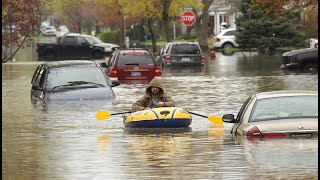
(154, 97)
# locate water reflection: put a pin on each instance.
(63, 140)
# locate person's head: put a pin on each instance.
(155, 87)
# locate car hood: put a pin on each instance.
(81, 94)
(287, 125)
(106, 45)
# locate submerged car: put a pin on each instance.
(71, 80)
(181, 53)
(132, 64)
(302, 59)
(277, 114)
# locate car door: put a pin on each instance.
(83, 48)
(69, 47)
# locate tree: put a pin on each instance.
(257, 31)
(202, 24)
(20, 21)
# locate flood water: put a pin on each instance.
(63, 140)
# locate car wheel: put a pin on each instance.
(50, 56)
(97, 55)
(227, 45)
(310, 67)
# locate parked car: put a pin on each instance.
(72, 46)
(303, 59)
(132, 64)
(70, 80)
(49, 31)
(277, 114)
(109, 48)
(226, 39)
(181, 53)
(313, 43)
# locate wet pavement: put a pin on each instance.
(63, 140)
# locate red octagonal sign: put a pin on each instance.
(188, 18)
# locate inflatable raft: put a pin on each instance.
(164, 117)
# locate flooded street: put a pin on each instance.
(63, 140)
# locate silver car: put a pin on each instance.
(277, 114)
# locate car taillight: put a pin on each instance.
(157, 71)
(255, 133)
(113, 72)
(217, 39)
(168, 59)
(274, 135)
(202, 58)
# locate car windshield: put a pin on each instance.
(285, 107)
(135, 60)
(76, 76)
(185, 49)
(93, 40)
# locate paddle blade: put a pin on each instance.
(215, 119)
(102, 115)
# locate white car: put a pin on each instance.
(226, 39)
(62, 31)
(49, 31)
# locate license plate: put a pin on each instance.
(134, 74)
(185, 59)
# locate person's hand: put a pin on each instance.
(146, 108)
(160, 104)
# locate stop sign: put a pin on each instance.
(188, 18)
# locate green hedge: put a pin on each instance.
(108, 37)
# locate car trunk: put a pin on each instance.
(291, 127)
(135, 72)
(185, 58)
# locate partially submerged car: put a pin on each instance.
(277, 114)
(302, 59)
(71, 80)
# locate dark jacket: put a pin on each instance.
(146, 101)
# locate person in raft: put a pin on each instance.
(154, 97)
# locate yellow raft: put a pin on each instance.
(164, 117)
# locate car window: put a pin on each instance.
(285, 107)
(135, 59)
(231, 33)
(185, 49)
(81, 40)
(61, 76)
(69, 40)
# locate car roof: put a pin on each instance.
(293, 52)
(283, 93)
(67, 63)
(190, 42)
(134, 51)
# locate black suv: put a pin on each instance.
(302, 59)
(181, 53)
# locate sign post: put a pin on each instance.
(188, 18)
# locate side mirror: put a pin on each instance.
(115, 83)
(103, 64)
(229, 118)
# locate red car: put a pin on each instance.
(132, 64)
